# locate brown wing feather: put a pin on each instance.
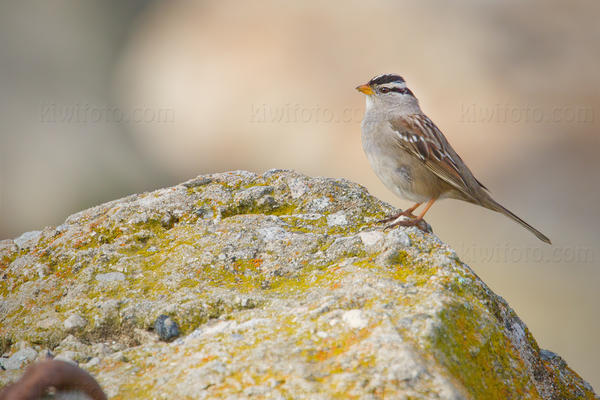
(419, 136)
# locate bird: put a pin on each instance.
(413, 158)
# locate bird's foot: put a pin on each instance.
(406, 213)
(403, 220)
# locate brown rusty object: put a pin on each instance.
(60, 375)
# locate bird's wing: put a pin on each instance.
(419, 136)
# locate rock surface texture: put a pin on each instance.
(282, 287)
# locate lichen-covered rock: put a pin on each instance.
(283, 286)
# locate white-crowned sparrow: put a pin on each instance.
(413, 158)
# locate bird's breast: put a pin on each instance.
(399, 171)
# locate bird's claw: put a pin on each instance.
(404, 220)
(394, 217)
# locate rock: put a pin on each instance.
(101, 350)
(8, 246)
(48, 323)
(371, 238)
(74, 322)
(337, 219)
(20, 359)
(70, 356)
(166, 328)
(71, 343)
(44, 354)
(28, 239)
(93, 362)
(42, 270)
(397, 238)
(110, 277)
(282, 286)
(355, 319)
(21, 345)
(297, 187)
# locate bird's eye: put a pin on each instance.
(384, 90)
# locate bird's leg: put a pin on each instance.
(406, 213)
(414, 221)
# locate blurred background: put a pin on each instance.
(101, 99)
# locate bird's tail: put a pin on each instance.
(495, 206)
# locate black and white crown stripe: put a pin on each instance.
(386, 78)
(390, 83)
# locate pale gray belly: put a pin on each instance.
(398, 170)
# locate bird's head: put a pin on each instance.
(389, 91)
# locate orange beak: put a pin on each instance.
(366, 89)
